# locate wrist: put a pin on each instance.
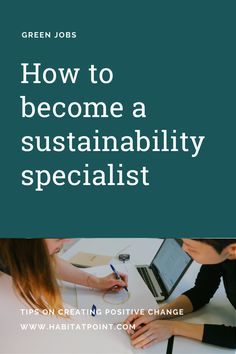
(93, 281)
(175, 328)
(189, 330)
(172, 326)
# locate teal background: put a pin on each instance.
(176, 56)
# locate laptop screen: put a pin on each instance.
(170, 262)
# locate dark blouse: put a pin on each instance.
(206, 284)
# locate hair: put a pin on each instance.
(33, 272)
(217, 244)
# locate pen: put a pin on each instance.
(117, 275)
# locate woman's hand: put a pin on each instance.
(139, 320)
(151, 333)
(111, 283)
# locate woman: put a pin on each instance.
(34, 267)
(218, 257)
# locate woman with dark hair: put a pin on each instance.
(35, 267)
(218, 259)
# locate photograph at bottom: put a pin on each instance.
(117, 296)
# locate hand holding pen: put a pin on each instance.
(111, 282)
(118, 277)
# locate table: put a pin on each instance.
(142, 251)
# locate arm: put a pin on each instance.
(181, 302)
(157, 331)
(191, 300)
(149, 329)
(224, 336)
(206, 284)
(72, 274)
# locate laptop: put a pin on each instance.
(166, 269)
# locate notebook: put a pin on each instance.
(84, 260)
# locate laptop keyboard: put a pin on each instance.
(145, 274)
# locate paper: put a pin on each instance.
(138, 297)
(56, 341)
(111, 308)
(119, 298)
